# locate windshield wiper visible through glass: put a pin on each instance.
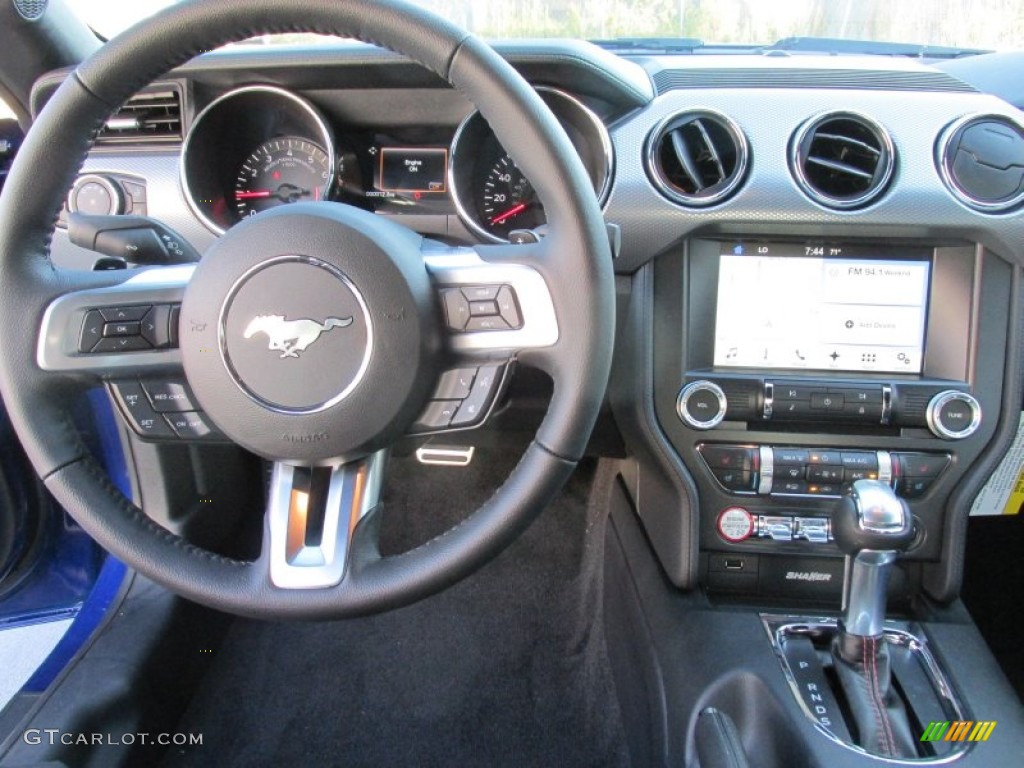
(871, 48)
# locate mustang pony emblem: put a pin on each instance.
(292, 336)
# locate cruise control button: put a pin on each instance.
(474, 407)
(456, 309)
(115, 314)
(122, 344)
(437, 415)
(169, 396)
(120, 329)
(190, 426)
(455, 385)
(509, 308)
(92, 331)
(155, 326)
(137, 411)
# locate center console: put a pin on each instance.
(787, 369)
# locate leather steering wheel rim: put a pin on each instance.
(578, 275)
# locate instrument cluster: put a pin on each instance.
(260, 147)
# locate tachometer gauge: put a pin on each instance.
(284, 170)
(507, 200)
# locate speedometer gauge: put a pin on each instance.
(490, 193)
(285, 170)
(507, 200)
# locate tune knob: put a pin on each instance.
(953, 415)
(96, 195)
(701, 404)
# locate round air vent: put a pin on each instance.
(842, 160)
(981, 159)
(697, 158)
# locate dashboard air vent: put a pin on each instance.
(697, 158)
(152, 116)
(982, 162)
(842, 160)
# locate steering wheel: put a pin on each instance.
(323, 401)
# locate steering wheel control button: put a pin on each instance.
(456, 307)
(455, 385)
(138, 412)
(953, 415)
(122, 344)
(92, 331)
(508, 307)
(482, 308)
(701, 405)
(474, 407)
(121, 329)
(155, 327)
(296, 335)
(120, 314)
(191, 426)
(486, 323)
(437, 415)
(477, 308)
(736, 524)
(169, 396)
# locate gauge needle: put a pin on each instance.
(253, 193)
(508, 214)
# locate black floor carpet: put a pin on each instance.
(507, 668)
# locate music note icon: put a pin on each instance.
(733, 351)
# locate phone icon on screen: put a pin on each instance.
(799, 356)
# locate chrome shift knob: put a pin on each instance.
(872, 525)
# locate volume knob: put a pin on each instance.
(953, 415)
(701, 404)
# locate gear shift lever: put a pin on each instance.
(872, 526)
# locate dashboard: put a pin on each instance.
(818, 260)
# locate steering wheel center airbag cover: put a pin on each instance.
(310, 349)
(307, 332)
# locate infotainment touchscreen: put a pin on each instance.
(820, 307)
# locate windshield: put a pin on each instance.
(977, 24)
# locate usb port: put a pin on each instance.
(734, 564)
